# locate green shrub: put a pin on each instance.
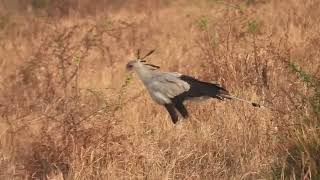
(4, 20)
(302, 144)
(40, 4)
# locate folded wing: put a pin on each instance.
(167, 86)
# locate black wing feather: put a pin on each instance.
(200, 88)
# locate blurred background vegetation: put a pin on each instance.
(68, 110)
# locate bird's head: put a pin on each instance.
(140, 62)
(133, 64)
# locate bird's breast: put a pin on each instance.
(159, 97)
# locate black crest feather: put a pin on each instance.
(148, 54)
(154, 66)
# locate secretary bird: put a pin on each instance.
(171, 89)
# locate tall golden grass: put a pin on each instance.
(69, 110)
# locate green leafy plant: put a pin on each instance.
(128, 80)
(253, 26)
(203, 22)
(77, 60)
(109, 24)
(40, 4)
(4, 20)
(312, 82)
(242, 7)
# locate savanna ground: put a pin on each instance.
(70, 111)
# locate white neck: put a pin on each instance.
(144, 73)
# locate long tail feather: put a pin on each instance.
(254, 104)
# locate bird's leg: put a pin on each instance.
(173, 114)
(182, 109)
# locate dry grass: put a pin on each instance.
(69, 110)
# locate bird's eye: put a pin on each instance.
(129, 66)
